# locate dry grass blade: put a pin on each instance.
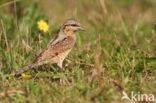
(97, 72)
(8, 3)
(103, 6)
(9, 93)
(5, 35)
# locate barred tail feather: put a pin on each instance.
(22, 70)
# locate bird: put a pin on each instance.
(58, 48)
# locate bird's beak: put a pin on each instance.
(81, 28)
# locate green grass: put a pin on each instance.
(116, 53)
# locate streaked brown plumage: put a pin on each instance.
(57, 49)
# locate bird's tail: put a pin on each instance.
(24, 69)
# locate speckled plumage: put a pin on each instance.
(57, 49)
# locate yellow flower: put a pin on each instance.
(25, 76)
(43, 26)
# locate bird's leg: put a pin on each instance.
(64, 80)
(60, 64)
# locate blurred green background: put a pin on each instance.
(116, 53)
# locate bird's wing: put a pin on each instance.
(55, 50)
(59, 37)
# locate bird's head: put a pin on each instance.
(72, 25)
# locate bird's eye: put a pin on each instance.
(73, 25)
